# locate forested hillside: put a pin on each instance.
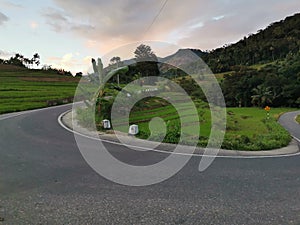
(259, 70)
(276, 84)
(268, 45)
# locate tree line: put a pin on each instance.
(22, 61)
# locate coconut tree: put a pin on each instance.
(262, 96)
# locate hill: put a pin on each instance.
(262, 69)
(182, 56)
(23, 89)
(268, 45)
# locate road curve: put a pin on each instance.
(288, 121)
(44, 180)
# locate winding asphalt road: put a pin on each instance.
(45, 180)
(287, 120)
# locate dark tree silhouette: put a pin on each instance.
(146, 63)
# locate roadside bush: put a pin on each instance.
(143, 135)
(202, 141)
(173, 132)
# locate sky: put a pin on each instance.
(68, 33)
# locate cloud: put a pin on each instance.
(196, 23)
(10, 5)
(60, 21)
(5, 54)
(70, 62)
(3, 18)
(56, 19)
(114, 23)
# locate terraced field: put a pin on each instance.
(23, 89)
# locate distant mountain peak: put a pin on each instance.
(183, 57)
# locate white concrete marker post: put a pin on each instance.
(106, 124)
(133, 130)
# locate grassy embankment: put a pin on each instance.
(247, 128)
(24, 89)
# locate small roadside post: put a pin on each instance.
(106, 124)
(133, 130)
(267, 109)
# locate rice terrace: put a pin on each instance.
(24, 89)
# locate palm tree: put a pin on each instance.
(262, 96)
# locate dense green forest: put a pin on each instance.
(276, 81)
(268, 45)
(276, 84)
(259, 70)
